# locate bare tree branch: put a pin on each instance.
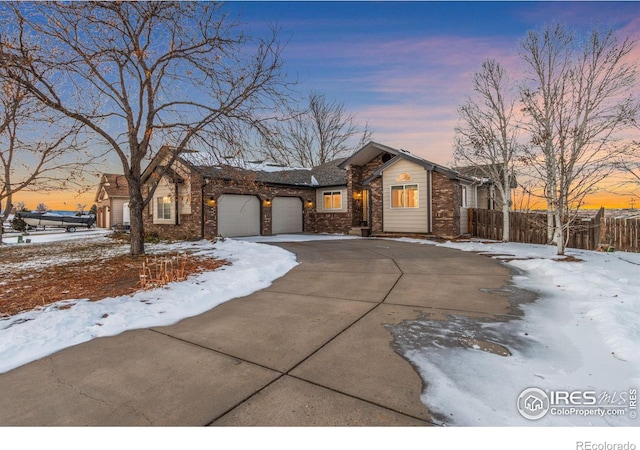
(36, 153)
(324, 131)
(578, 96)
(487, 136)
(143, 75)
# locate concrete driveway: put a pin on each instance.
(312, 349)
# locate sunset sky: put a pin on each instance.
(404, 67)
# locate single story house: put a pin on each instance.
(378, 190)
(111, 200)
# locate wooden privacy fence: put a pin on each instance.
(587, 233)
(622, 234)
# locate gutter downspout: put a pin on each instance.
(177, 202)
(429, 203)
(203, 185)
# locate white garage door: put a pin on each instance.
(286, 215)
(238, 215)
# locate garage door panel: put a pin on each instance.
(238, 215)
(286, 215)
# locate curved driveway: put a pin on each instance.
(312, 349)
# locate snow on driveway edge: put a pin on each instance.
(35, 334)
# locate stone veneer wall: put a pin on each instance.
(446, 199)
(328, 222)
(190, 225)
(355, 177)
(377, 210)
(264, 192)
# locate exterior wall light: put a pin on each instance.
(309, 204)
(266, 202)
(211, 202)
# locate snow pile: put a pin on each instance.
(582, 333)
(32, 335)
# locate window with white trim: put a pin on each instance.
(404, 196)
(163, 210)
(332, 200)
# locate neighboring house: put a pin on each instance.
(487, 195)
(482, 193)
(111, 198)
(378, 190)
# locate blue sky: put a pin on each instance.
(405, 66)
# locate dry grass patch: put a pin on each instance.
(94, 271)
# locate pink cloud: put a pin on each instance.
(422, 130)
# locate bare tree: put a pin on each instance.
(324, 131)
(142, 76)
(487, 136)
(35, 153)
(577, 98)
(628, 167)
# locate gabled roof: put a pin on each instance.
(370, 151)
(374, 149)
(114, 185)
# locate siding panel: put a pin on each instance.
(413, 220)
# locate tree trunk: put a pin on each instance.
(550, 228)
(558, 232)
(136, 231)
(5, 214)
(506, 209)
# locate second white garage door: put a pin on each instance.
(286, 215)
(238, 215)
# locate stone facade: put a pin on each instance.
(202, 221)
(328, 222)
(446, 198)
(189, 226)
(377, 215)
(265, 193)
(204, 205)
(356, 175)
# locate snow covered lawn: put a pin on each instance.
(34, 334)
(581, 334)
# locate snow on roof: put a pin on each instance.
(200, 159)
(327, 174)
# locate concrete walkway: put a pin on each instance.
(312, 349)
